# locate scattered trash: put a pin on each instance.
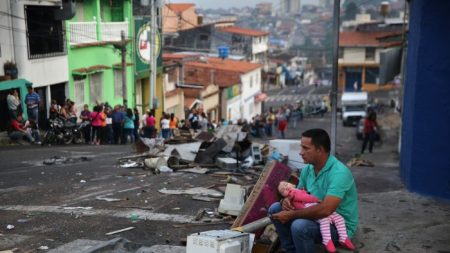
(120, 231)
(193, 191)
(22, 220)
(357, 161)
(187, 151)
(131, 164)
(79, 174)
(78, 208)
(196, 170)
(248, 163)
(165, 169)
(233, 200)
(107, 199)
(62, 160)
(82, 181)
(155, 162)
(227, 163)
(10, 227)
(203, 198)
(43, 248)
(176, 208)
(134, 218)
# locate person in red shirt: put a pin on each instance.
(18, 132)
(369, 132)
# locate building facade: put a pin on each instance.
(94, 51)
(359, 58)
(424, 158)
(34, 40)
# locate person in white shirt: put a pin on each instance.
(165, 127)
(13, 102)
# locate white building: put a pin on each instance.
(35, 41)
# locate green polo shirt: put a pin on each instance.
(335, 179)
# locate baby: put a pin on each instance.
(302, 199)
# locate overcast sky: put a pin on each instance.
(230, 3)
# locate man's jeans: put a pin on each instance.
(33, 114)
(300, 235)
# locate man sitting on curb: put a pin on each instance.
(330, 181)
(18, 132)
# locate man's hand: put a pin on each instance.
(286, 205)
(283, 216)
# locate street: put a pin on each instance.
(53, 205)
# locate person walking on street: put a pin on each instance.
(326, 178)
(369, 132)
(32, 100)
(97, 118)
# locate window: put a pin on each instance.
(372, 75)
(79, 94)
(251, 81)
(204, 37)
(96, 88)
(370, 54)
(341, 53)
(45, 35)
(118, 91)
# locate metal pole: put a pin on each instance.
(152, 60)
(123, 49)
(334, 87)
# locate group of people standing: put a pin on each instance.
(18, 127)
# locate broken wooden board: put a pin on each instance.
(263, 194)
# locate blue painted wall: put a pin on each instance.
(425, 154)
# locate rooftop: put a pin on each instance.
(364, 39)
(243, 31)
(179, 7)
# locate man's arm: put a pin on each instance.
(324, 209)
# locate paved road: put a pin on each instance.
(290, 95)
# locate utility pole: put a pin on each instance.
(152, 61)
(334, 87)
(123, 50)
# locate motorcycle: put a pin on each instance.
(64, 132)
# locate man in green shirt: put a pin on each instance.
(329, 180)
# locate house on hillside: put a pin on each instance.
(249, 43)
(178, 16)
(230, 89)
(359, 57)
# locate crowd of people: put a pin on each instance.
(105, 124)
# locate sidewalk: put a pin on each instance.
(393, 219)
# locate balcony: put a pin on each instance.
(86, 32)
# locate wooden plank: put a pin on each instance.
(263, 195)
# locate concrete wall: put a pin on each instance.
(42, 71)
(425, 163)
(6, 36)
(105, 55)
(249, 109)
(358, 55)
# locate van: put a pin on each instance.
(354, 105)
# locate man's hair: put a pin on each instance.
(319, 138)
